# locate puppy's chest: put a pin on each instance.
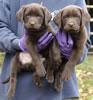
(35, 36)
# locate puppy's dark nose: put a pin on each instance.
(32, 22)
(71, 24)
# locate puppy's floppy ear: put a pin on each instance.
(85, 17)
(58, 18)
(20, 13)
(48, 15)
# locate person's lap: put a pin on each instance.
(27, 89)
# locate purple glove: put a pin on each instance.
(42, 42)
(65, 42)
(22, 44)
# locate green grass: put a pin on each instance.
(84, 75)
(85, 78)
(1, 60)
(87, 64)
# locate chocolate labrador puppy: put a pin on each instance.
(72, 19)
(36, 20)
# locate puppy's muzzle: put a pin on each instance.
(71, 27)
(71, 24)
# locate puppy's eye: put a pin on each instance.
(39, 16)
(27, 15)
(66, 16)
(76, 15)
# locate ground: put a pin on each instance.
(85, 78)
(84, 75)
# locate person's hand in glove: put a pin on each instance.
(65, 42)
(44, 41)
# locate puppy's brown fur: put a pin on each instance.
(72, 19)
(36, 20)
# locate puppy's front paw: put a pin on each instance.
(50, 77)
(37, 80)
(58, 87)
(10, 94)
(41, 71)
(58, 81)
(67, 74)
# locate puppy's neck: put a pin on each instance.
(34, 35)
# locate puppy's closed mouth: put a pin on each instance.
(72, 31)
(33, 29)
